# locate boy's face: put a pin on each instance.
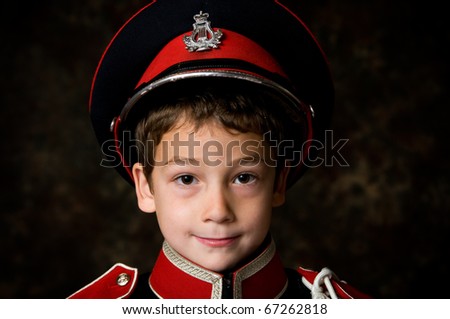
(212, 192)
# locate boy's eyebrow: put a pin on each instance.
(244, 161)
(248, 160)
(181, 161)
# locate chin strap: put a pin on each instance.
(326, 285)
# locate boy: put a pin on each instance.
(212, 125)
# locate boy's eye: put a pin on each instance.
(185, 179)
(244, 178)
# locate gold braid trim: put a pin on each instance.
(195, 271)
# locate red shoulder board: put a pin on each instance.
(325, 284)
(118, 282)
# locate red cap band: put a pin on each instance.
(233, 46)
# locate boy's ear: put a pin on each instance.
(145, 198)
(279, 191)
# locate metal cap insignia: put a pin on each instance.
(203, 37)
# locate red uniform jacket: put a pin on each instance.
(173, 276)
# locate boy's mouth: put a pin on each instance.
(217, 242)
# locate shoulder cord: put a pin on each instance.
(317, 288)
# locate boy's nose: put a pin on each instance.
(217, 207)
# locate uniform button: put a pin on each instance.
(123, 279)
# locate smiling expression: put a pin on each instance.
(213, 197)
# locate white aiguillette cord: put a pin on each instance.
(323, 278)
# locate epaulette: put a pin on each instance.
(118, 282)
(325, 284)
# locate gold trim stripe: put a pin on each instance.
(249, 270)
(195, 271)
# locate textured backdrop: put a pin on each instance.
(382, 223)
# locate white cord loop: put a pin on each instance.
(322, 287)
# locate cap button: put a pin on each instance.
(123, 279)
(112, 125)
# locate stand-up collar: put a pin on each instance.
(175, 277)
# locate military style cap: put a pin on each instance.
(170, 42)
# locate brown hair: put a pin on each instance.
(244, 108)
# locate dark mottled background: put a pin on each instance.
(382, 223)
